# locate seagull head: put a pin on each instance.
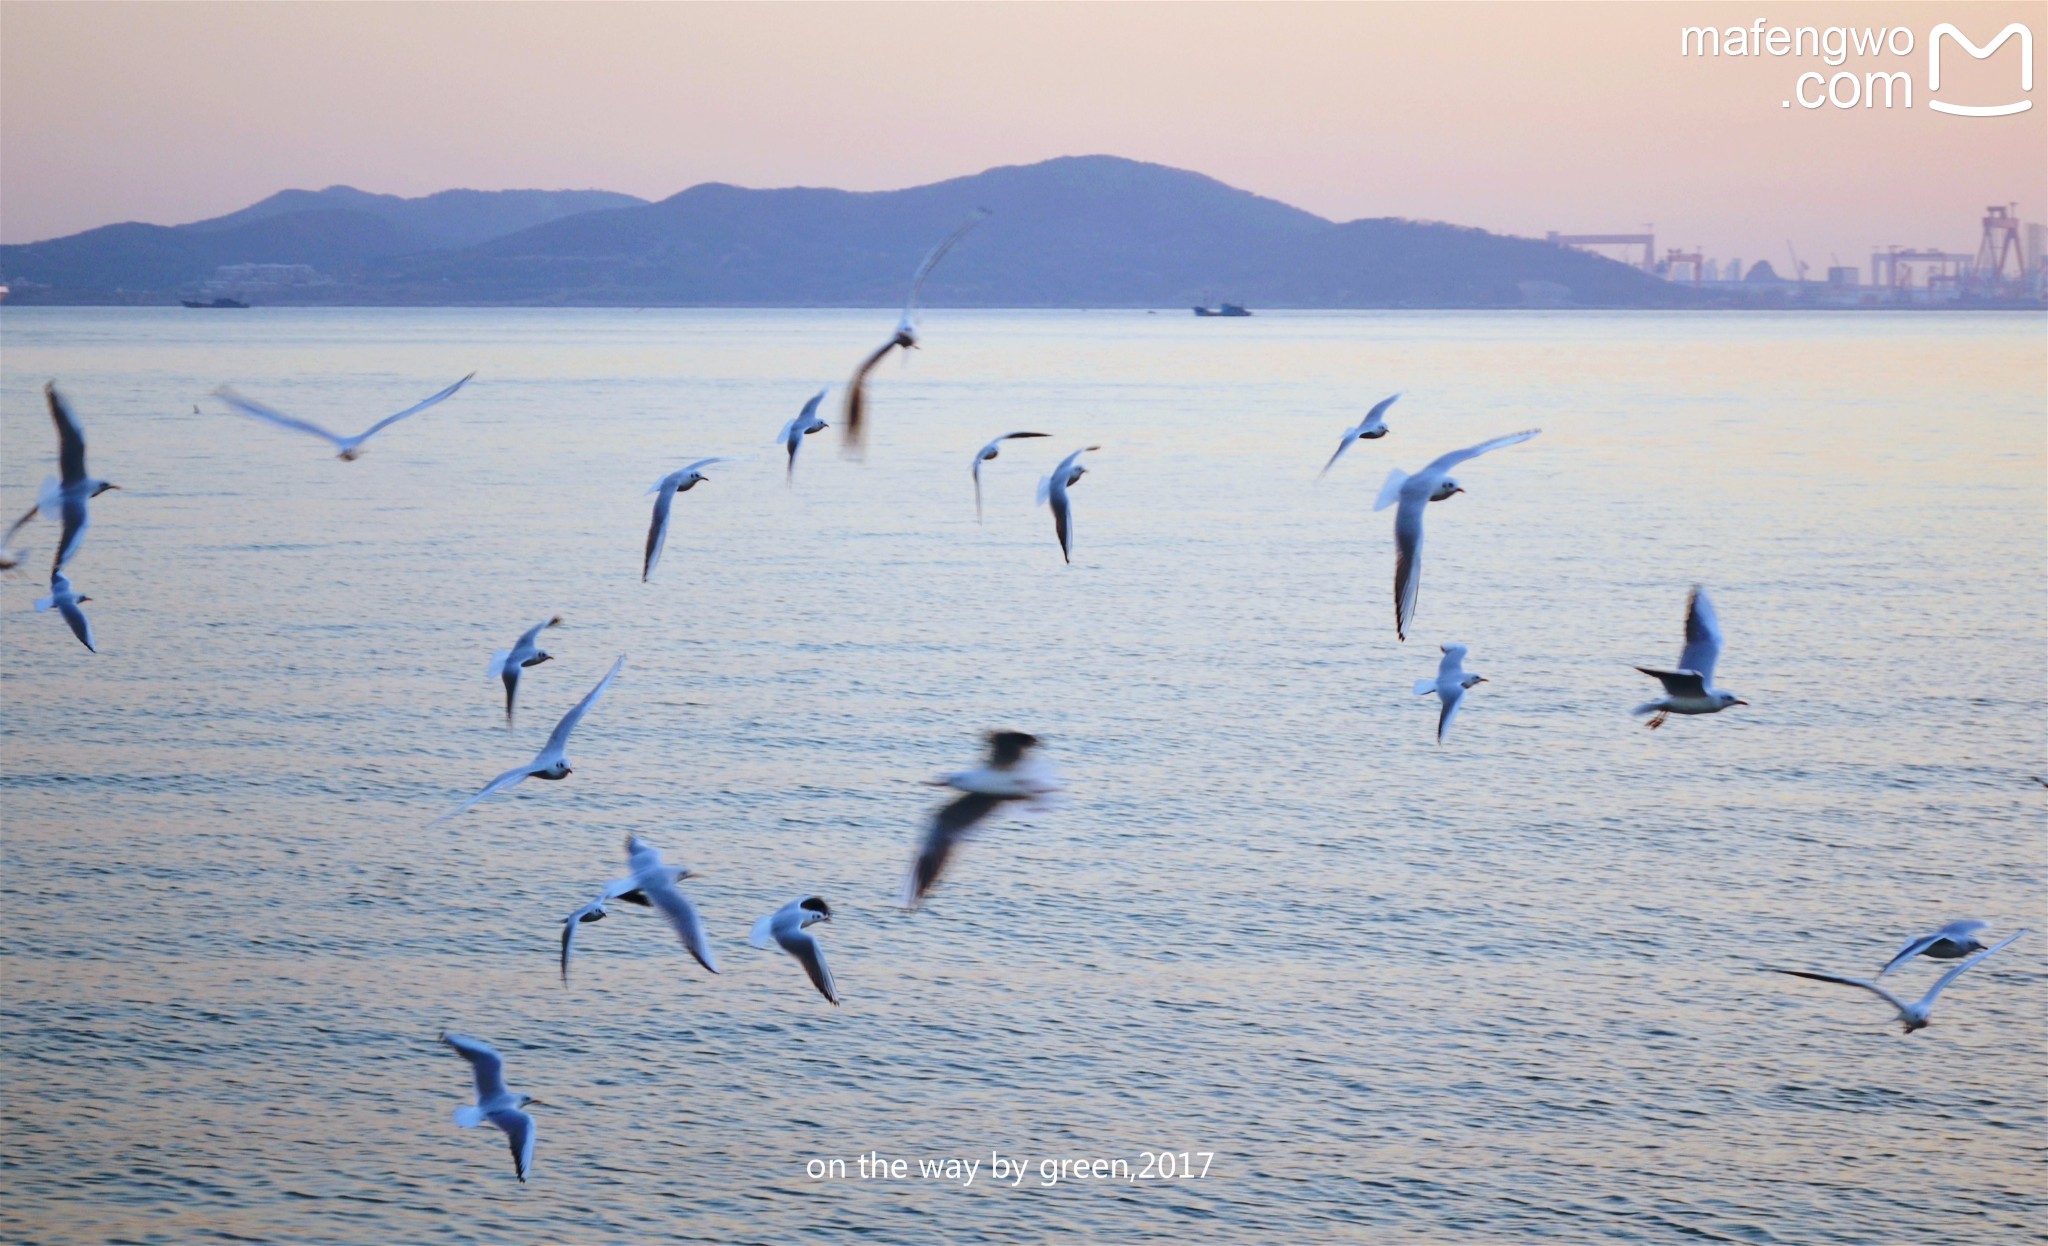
(1473, 679)
(528, 1101)
(815, 909)
(1445, 488)
(351, 454)
(560, 770)
(539, 657)
(1726, 699)
(104, 485)
(1372, 434)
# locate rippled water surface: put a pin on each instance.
(1505, 988)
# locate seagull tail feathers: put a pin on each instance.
(1423, 687)
(1044, 490)
(469, 1117)
(1390, 492)
(50, 498)
(1647, 707)
(498, 658)
(44, 603)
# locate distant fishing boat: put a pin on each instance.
(1227, 309)
(220, 302)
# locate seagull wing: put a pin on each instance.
(1913, 948)
(851, 430)
(593, 911)
(518, 1127)
(484, 1062)
(511, 778)
(1408, 558)
(1872, 987)
(75, 515)
(952, 822)
(414, 409)
(81, 626)
(33, 511)
(1063, 521)
(70, 438)
(682, 915)
(532, 634)
(1378, 414)
(558, 740)
(1350, 435)
(1444, 463)
(657, 531)
(1453, 696)
(809, 953)
(937, 253)
(1678, 683)
(1942, 982)
(258, 410)
(1702, 637)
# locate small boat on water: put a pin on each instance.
(1227, 309)
(220, 302)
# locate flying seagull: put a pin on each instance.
(507, 663)
(649, 882)
(1952, 942)
(681, 480)
(852, 432)
(1690, 689)
(1052, 490)
(987, 452)
(1370, 428)
(1431, 484)
(64, 497)
(792, 436)
(494, 1103)
(552, 762)
(351, 448)
(66, 603)
(10, 557)
(1011, 773)
(1449, 685)
(1913, 1016)
(784, 928)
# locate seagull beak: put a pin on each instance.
(1742, 703)
(536, 1103)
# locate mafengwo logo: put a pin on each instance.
(1888, 46)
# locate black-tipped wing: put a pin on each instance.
(689, 927)
(70, 438)
(852, 429)
(1407, 559)
(1702, 637)
(1678, 683)
(1007, 748)
(519, 1133)
(811, 955)
(657, 532)
(558, 739)
(1872, 987)
(950, 823)
(1449, 710)
(1062, 523)
(511, 678)
(271, 415)
(414, 409)
(81, 626)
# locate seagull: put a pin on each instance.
(987, 452)
(793, 433)
(63, 498)
(10, 557)
(507, 663)
(494, 1103)
(1053, 489)
(552, 762)
(681, 480)
(1010, 774)
(67, 602)
(784, 928)
(1951, 942)
(650, 882)
(351, 447)
(1368, 429)
(1431, 484)
(1912, 1016)
(852, 432)
(1449, 685)
(1690, 689)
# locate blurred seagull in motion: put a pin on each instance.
(1449, 685)
(1011, 773)
(785, 928)
(351, 448)
(66, 603)
(494, 1103)
(650, 882)
(1690, 689)
(1052, 490)
(1431, 484)
(1370, 428)
(791, 438)
(507, 663)
(1952, 942)
(10, 557)
(552, 762)
(682, 480)
(1912, 1016)
(64, 497)
(852, 429)
(987, 452)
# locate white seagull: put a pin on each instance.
(650, 882)
(1011, 773)
(507, 663)
(987, 452)
(1690, 689)
(1052, 490)
(66, 602)
(494, 1103)
(1952, 942)
(64, 497)
(1431, 484)
(791, 438)
(784, 928)
(1449, 685)
(852, 432)
(1370, 428)
(351, 448)
(1913, 1016)
(552, 762)
(681, 480)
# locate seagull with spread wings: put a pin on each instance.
(552, 762)
(351, 448)
(1414, 493)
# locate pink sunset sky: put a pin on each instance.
(1519, 118)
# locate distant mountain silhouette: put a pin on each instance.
(1086, 231)
(451, 218)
